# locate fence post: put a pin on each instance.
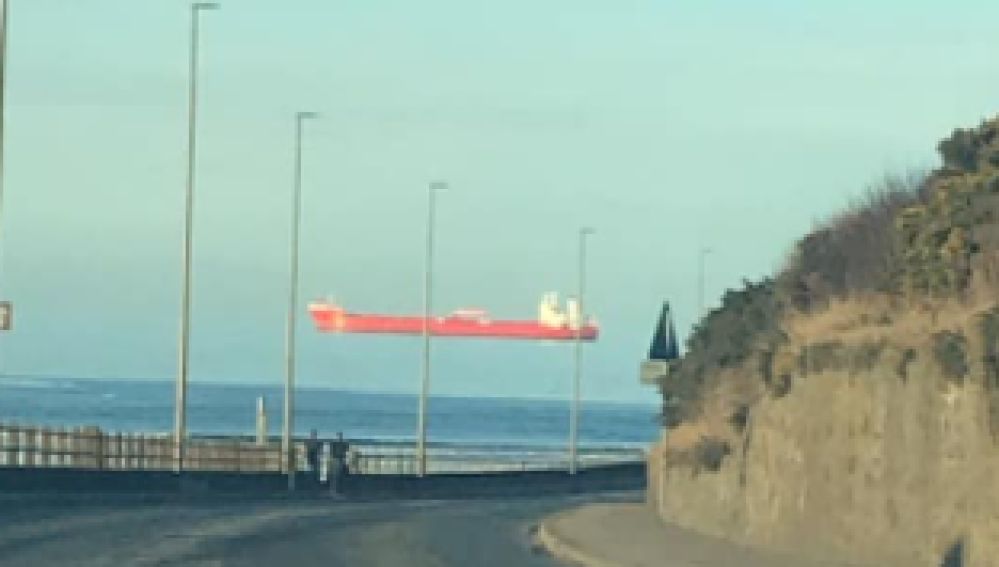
(166, 451)
(9, 441)
(3, 445)
(133, 451)
(112, 450)
(74, 447)
(63, 447)
(141, 441)
(79, 447)
(55, 447)
(192, 456)
(127, 452)
(28, 446)
(212, 455)
(24, 446)
(162, 451)
(19, 441)
(99, 448)
(46, 442)
(41, 457)
(261, 421)
(140, 451)
(117, 460)
(160, 460)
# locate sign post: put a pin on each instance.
(6, 315)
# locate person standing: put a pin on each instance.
(312, 449)
(338, 469)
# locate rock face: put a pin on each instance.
(848, 407)
(891, 462)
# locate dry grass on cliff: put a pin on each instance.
(686, 436)
(732, 391)
(875, 319)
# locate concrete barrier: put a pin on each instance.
(620, 477)
(35, 480)
(27, 480)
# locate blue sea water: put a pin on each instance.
(144, 406)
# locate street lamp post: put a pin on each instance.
(3, 84)
(288, 426)
(578, 351)
(3, 89)
(428, 284)
(180, 408)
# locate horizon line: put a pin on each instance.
(306, 386)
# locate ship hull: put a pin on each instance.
(332, 320)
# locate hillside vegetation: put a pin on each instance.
(914, 248)
(848, 405)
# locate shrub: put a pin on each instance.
(959, 150)
(854, 251)
(710, 453)
(908, 357)
(950, 350)
(989, 327)
(725, 338)
(740, 418)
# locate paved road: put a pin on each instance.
(414, 534)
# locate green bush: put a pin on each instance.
(710, 453)
(725, 338)
(960, 150)
(951, 352)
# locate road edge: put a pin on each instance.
(562, 550)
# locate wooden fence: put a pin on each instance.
(91, 448)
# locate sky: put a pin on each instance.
(667, 126)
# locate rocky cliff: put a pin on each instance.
(859, 424)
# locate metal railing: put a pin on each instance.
(92, 448)
(403, 460)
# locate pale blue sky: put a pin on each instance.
(666, 125)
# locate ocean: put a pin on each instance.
(225, 409)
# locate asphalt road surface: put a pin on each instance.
(283, 533)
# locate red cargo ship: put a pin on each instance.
(552, 323)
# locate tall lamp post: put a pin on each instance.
(3, 114)
(428, 285)
(180, 407)
(578, 351)
(288, 426)
(4, 307)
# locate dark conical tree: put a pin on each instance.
(664, 344)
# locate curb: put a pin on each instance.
(564, 551)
